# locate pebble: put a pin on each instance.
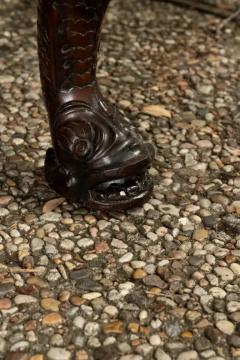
(50, 304)
(5, 304)
(85, 243)
(137, 264)
(235, 267)
(6, 79)
(77, 300)
(217, 292)
(92, 296)
(111, 310)
(154, 280)
(119, 244)
(131, 357)
(169, 209)
(225, 326)
(6, 289)
(144, 349)
(20, 346)
(2, 345)
(79, 322)
(57, 340)
(37, 244)
(204, 144)
(202, 344)
(126, 258)
(128, 227)
(103, 225)
(113, 328)
(162, 355)
(210, 221)
(200, 234)
(37, 357)
(56, 353)
(224, 273)
(234, 340)
(155, 340)
(206, 89)
(81, 274)
(233, 306)
(5, 200)
(188, 355)
(37, 281)
(91, 329)
(139, 274)
(52, 319)
(4, 212)
(24, 299)
(89, 285)
(51, 217)
(17, 355)
(67, 244)
(82, 355)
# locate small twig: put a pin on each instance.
(228, 20)
(20, 270)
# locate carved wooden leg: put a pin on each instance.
(97, 158)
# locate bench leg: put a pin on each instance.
(97, 159)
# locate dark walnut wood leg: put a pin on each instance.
(97, 159)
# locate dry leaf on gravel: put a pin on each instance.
(52, 204)
(157, 111)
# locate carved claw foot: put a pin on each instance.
(98, 159)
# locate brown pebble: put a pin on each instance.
(154, 291)
(52, 319)
(133, 327)
(187, 335)
(50, 304)
(57, 261)
(37, 357)
(64, 296)
(5, 304)
(101, 247)
(182, 238)
(200, 234)
(230, 258)
(177, 254)
(30, 325)
(93, 232)
(77, 300)
(40, 233)
(11, 183)
(17, 355)
(236, 352)
(81, 355)
(46, 293)
(202, 324)
(139, 274)
(115, 327)
(5, 200)
(35, 280)
(145, 330)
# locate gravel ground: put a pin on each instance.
(159, 282)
